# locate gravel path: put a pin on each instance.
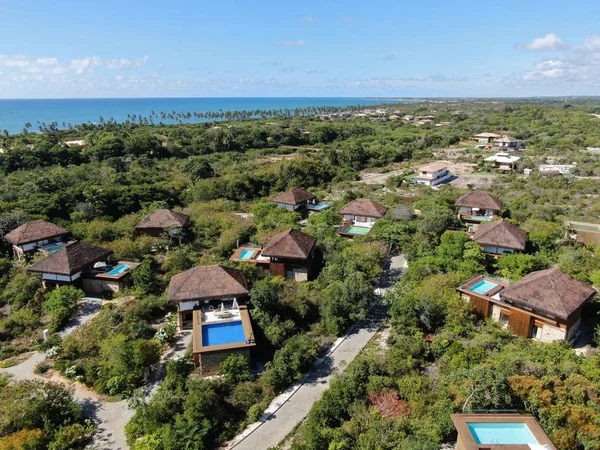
(290, 408)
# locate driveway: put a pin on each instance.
(290, 408)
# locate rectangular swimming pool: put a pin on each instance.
(223, 333)
(246, 254)
(505, 433)
(481, 218)
(118, 270)
(357, 230)
(482, 287)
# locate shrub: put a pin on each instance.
(290, 361)
(61, 304)
(235, 368)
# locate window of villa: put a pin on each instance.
(361, 219)
(536, 332)
(504, 318)
(289, 274)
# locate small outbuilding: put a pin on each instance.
(162, 221)
(500, 237)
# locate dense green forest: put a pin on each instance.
(222, 174)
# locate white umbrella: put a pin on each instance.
(235, 304)
(222, 307)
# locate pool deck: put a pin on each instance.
(467, 442)
(465, 287)
(197, 345)
(343, 230)
(256, 257)
(106, 276)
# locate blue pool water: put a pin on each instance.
(118, 270)
(245, 254)
(513, 433)
(320, 206)
(222, 333)
(482, 287)
(52, 248)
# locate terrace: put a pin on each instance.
(483, 286)
(249, 254)
(111, 272)
(317, 207)
(506, 431)
(350, 229)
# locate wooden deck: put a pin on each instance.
(197, 345)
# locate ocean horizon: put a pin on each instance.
(15, 113)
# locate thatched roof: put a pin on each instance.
(290, 244)
(163, 218)
(479, 199)
(364, 207)
(294, 196)
(36, 230)
(72, 258)
(550, 292)
(207, 283)
(501, 233)
(487, 135)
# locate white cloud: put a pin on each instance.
(309, 19)
(296, 43)
(547, 43)
(317, 71)
(576, 65)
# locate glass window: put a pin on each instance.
(504, 318)
(536, 332)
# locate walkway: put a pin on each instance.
(291, 407)
(111, 417)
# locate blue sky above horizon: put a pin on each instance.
(133, 48)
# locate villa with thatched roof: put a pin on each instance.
(35, 236)
(545, 305)
(500, 237)
(208, 300)
(359, 216)
(205, 287)
(294, 199)
(292, 255)
(162, 221)
(69, 263)
(476, 207)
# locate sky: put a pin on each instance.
(227, 48)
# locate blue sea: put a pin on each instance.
(14, 114)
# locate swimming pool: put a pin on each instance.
(481, 218)
(118, 270)
(512, 433)
(53, 248)
(357, 230)
(319, 206)
(482, 287)
(223, 333)
(246, 254)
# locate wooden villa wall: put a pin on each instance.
(481, 306)
(277, 269)
(519, 322)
